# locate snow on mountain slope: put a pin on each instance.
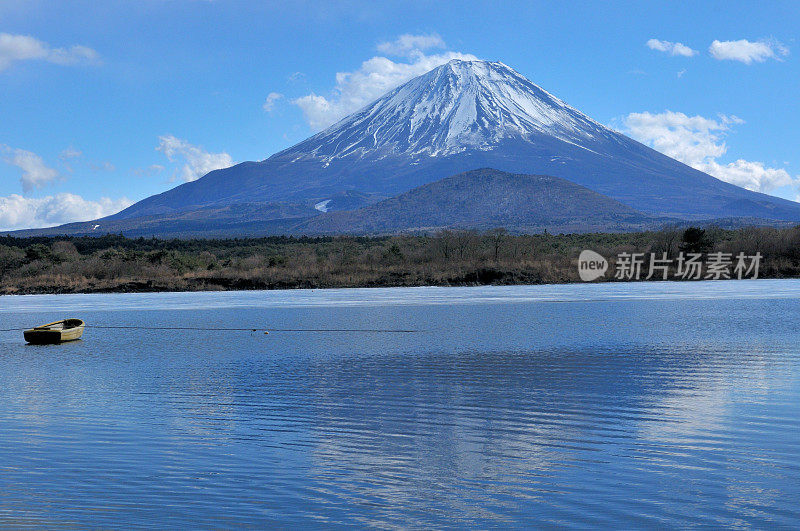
(458, 106)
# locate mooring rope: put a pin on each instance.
(256, 329)
(259, 329)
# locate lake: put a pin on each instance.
(614, 405)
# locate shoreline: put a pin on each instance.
(152, 289)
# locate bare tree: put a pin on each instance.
(444, 242)
(465, 240)
(497, 237)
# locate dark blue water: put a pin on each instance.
(668, 404)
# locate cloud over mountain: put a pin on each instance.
(699, 142)
(375, 77)
(407, 44)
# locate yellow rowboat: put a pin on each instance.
(53, 333)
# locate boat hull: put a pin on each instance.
(55, 333)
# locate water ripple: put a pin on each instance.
(669, 405)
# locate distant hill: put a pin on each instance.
(485, 199)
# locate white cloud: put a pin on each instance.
(67, 155)
(406, 44)
(672, 48)
(751, 175)
(690, 139)
(102, 166)
(149, 171)
(272, 98)
(698, 142)
(198, 161)
(296, 77)
(26, 48)
(18, 212)
(35, 173)
(374, 78)
(747, 52)
(70, 153)
(73, 55)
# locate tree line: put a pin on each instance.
(455, 257)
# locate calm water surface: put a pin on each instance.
(636, 405)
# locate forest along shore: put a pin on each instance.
(114, 263)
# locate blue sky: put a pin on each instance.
(104, 103)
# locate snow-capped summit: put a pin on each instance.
(457, 106)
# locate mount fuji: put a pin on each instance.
(458, 117)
